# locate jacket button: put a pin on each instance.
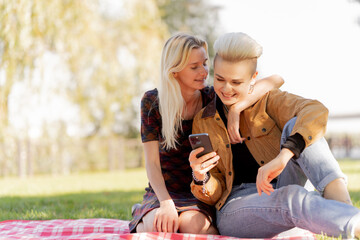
(262, 162)
(248, 138)
(310, 137)
(230, 173)
(227, 145)
(218, 119)
(264, 129)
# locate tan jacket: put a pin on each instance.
(261, 124)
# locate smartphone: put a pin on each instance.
(201, 140)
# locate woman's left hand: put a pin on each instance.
(234, 125)
(271, 170)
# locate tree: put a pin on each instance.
(90, 43)
(106, 59)
(197, 17)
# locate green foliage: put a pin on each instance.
(89, 44)
(194, 16)
(106, 62)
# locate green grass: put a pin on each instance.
(70, 206)
(95, 195)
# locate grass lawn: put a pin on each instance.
(95, 195)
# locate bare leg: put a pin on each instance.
(195, 222)
(357, 231)
(147, 224)
(337, 190)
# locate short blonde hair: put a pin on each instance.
(175, 56)
(236, 47)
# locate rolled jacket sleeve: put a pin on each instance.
(296, 144)
(312, 115)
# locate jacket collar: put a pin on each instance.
(210, 109)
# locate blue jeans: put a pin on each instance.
(248, 215)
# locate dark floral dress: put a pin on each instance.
(174, 163)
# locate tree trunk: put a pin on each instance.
(20, 159)
(111, 163)
(121, 152)
(29, 163)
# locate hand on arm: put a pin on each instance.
(261, 87)
(271, 170)
(166, 217)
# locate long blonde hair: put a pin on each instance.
(175, 56)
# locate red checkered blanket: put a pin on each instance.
(104, 229)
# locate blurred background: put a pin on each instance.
(72, 72)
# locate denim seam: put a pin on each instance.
(266, 209)
(305, 169)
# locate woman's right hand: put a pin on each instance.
(203, 164)
(166, 217)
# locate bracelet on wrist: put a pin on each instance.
(201, 182)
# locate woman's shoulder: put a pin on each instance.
(151, 94)
(150, 99)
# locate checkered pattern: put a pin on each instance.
(103, 229)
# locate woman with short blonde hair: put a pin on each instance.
(258, 187)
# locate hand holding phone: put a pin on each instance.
(200, 166)
(201, 140)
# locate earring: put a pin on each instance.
(251, 89)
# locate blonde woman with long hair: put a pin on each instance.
(166, 122)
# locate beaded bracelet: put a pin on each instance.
(201, 181)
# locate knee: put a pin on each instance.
(191, 227)
(142, 227)
(194, 222)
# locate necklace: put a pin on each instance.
(226, 108)
(226, 112)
